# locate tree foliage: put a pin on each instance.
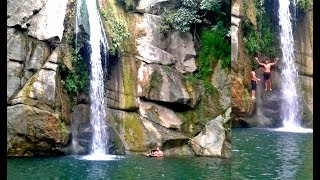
(262, 37)
(194, 12)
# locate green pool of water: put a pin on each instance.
(127, 167)
(268, 154)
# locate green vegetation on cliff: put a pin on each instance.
(208, 17)
(115, 28)
(128, 5)
(76, 80)
(214, 48)
(304, 4)
(261, 37)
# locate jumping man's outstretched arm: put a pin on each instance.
(262, 64)
(274, 62)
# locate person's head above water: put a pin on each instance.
(267, 61)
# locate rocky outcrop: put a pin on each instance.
(241, 102)
(38, 109)
(121, 85)
(40, 89)
(176, 48)
(160, 115)
(304, 61)
(165, 84)
(32, 131)
(242, 105)
(221, 80)
(43, 19)
(139, 134)
(210, 142)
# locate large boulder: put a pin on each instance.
(170, 141)
(211, 140)
(17, 45)
(181, 46)
(40, 90)
(18, 12)
(48, 23)
(153, 47)
(28, 52)
(165, 84)
(184, 150)
(43, 18)
(139, 134)
(160, 115)
(33, 131)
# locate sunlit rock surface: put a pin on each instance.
(210, 142)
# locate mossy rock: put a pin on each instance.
(129, 76)
(130, 129)
(134, 134)
(194, 120)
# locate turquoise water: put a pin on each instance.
(268, 154)
(257, 154)
(128, 167)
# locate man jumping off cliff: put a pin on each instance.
(267, 73)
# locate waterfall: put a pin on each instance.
(290, 106)
(97, 106)
(99, 46)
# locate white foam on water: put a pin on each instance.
(290, 129)
(101, 157)
(294, 129)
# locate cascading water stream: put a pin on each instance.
(99, 47)
(290, 107)
(98, 114)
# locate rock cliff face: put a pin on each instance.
(151, 101)
(304, 61)
(242, 105)
(265, 111)
(37, 111)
